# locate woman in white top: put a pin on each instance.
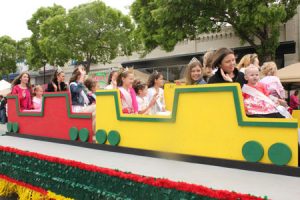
(155, 84)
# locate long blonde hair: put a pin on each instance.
(194, 63)
(247, 60)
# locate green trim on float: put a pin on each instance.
(101, 136)
(15, 127)
(41, 113)
(114, 138)
(9, 126)
(178, 91)
(253, 151)
(84, 134)
(73, 133)
(280, 154)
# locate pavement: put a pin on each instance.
(248, 182)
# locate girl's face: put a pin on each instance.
(159, 82)
(228, 63)
(196, 73)
(128, 80)
(24, 79)
(144, 92)
(39, 92)
(94, 88)
(209, 71)
(114, 76)
(61, 77)
(252, 76)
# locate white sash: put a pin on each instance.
(127, 103)
(256, 93)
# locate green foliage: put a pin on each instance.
(7, 55)
(164, 23)
(22, 49)
(36, 57)
(98, 33)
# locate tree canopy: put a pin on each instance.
(7, 55)
(164, 23)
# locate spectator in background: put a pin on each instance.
(57, 84)
(3, 118)
(294, 101)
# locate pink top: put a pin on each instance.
(255, 105)
(25, 100)
(274, 86)
(294, 102)
(37, 103)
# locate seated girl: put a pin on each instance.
(91, 85)
(128, 95)
(141, 90)
(112, 81)
(57, 84)
(256, 97)
(155, 84)
(194, 73)
(37, 99)
(21, 86)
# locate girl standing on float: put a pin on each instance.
(37, 99)
(128, 96)
(57, 84)
(21, 86)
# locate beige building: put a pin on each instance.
(172, 64)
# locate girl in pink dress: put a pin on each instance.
(256, 96)
(37, 99)
(21, 86)
(128, 95)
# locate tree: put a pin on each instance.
(36, 57)
(164, 23)
(54, 42)
(7, 55)
(98, 33)
(22, 49)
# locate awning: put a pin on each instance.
(290, 74)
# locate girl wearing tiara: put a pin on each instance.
(128, 97)
(194, 73)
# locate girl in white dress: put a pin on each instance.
(155, 84)
(141, 89)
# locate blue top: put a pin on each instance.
(201, 81)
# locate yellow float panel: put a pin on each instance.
(206, 120)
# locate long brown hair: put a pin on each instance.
(154, 76)
(76, 73)
(17, 80)
(110, 77)
(219, 55)
(123, 74)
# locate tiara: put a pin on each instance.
(59, 70)
(126, 69)
(194, 59)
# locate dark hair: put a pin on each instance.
(1, 96)
(17, 80)
(296, 92)
(56, 73)
(138, 85)
(123, 74)
(110, 76)
(219, 55)
(154, 76)
(90, 83)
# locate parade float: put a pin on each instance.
(207, 125)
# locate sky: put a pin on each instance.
(15, 13)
